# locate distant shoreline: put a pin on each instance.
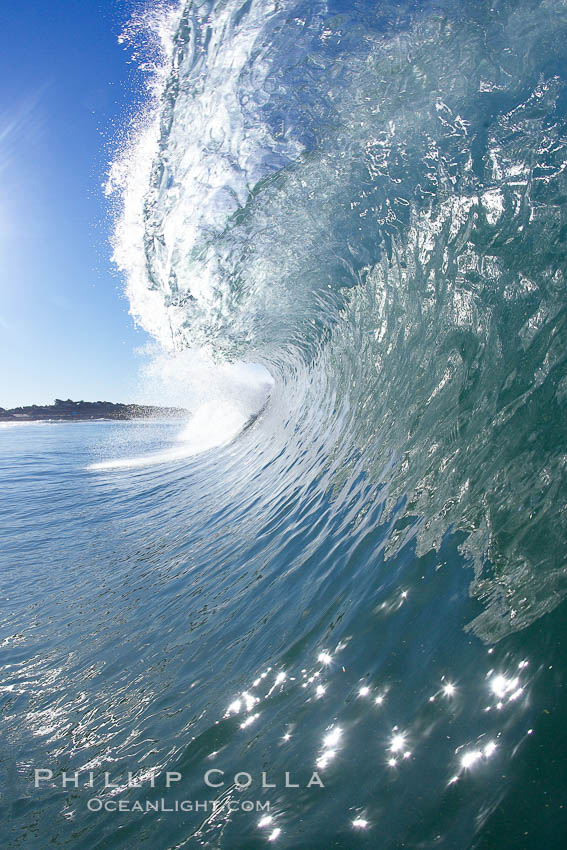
(85, 411)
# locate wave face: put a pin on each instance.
(370, 200)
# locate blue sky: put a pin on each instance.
(68, 87)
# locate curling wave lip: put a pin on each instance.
(214, 424)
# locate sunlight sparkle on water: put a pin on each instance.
(324, 759)
(249, 720)
(249, 700)
(332, 737)
(470, 758)
(500, 685)
(397, 743)
(517, 693)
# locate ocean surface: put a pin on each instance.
(328, 610)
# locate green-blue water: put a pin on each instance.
(351, 569)
(141, 606)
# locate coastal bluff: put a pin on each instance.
(77, 411)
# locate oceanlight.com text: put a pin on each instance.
(96, 804)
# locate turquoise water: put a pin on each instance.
(233, 611)
(348, 566)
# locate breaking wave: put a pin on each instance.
(370, 201)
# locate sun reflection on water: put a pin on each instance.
(473, 758)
